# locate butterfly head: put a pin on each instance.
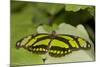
(53, 34)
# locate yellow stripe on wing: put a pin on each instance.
(74, 44)
(25, 40)
(34, 39)
(42, 42)
(66, 37)
(59, 43)
(82, 42)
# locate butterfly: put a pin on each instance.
(56, 45)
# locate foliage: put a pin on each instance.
(26, 18)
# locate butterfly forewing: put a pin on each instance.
(35, 39)
(76, 42)
(23, 41)
(29, 40)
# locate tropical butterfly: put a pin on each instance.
(56, 45)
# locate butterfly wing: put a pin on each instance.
(58, 48)
(55, 45)
(35, 43)
(64, 44)
(40, 46)
(22, 42)
(76, 42)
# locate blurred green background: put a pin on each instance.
(27, 16)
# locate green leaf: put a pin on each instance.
(73, 18)
(17, 6)
(25, 22)
(21, 26)
(75, 56)
(47, 28)
(50, 8)
(24, 57)
(39, 17)
(91, 10)
(74, 7)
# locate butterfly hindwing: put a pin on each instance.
(58, 48)
(40, 47)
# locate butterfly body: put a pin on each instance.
(56, 45)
